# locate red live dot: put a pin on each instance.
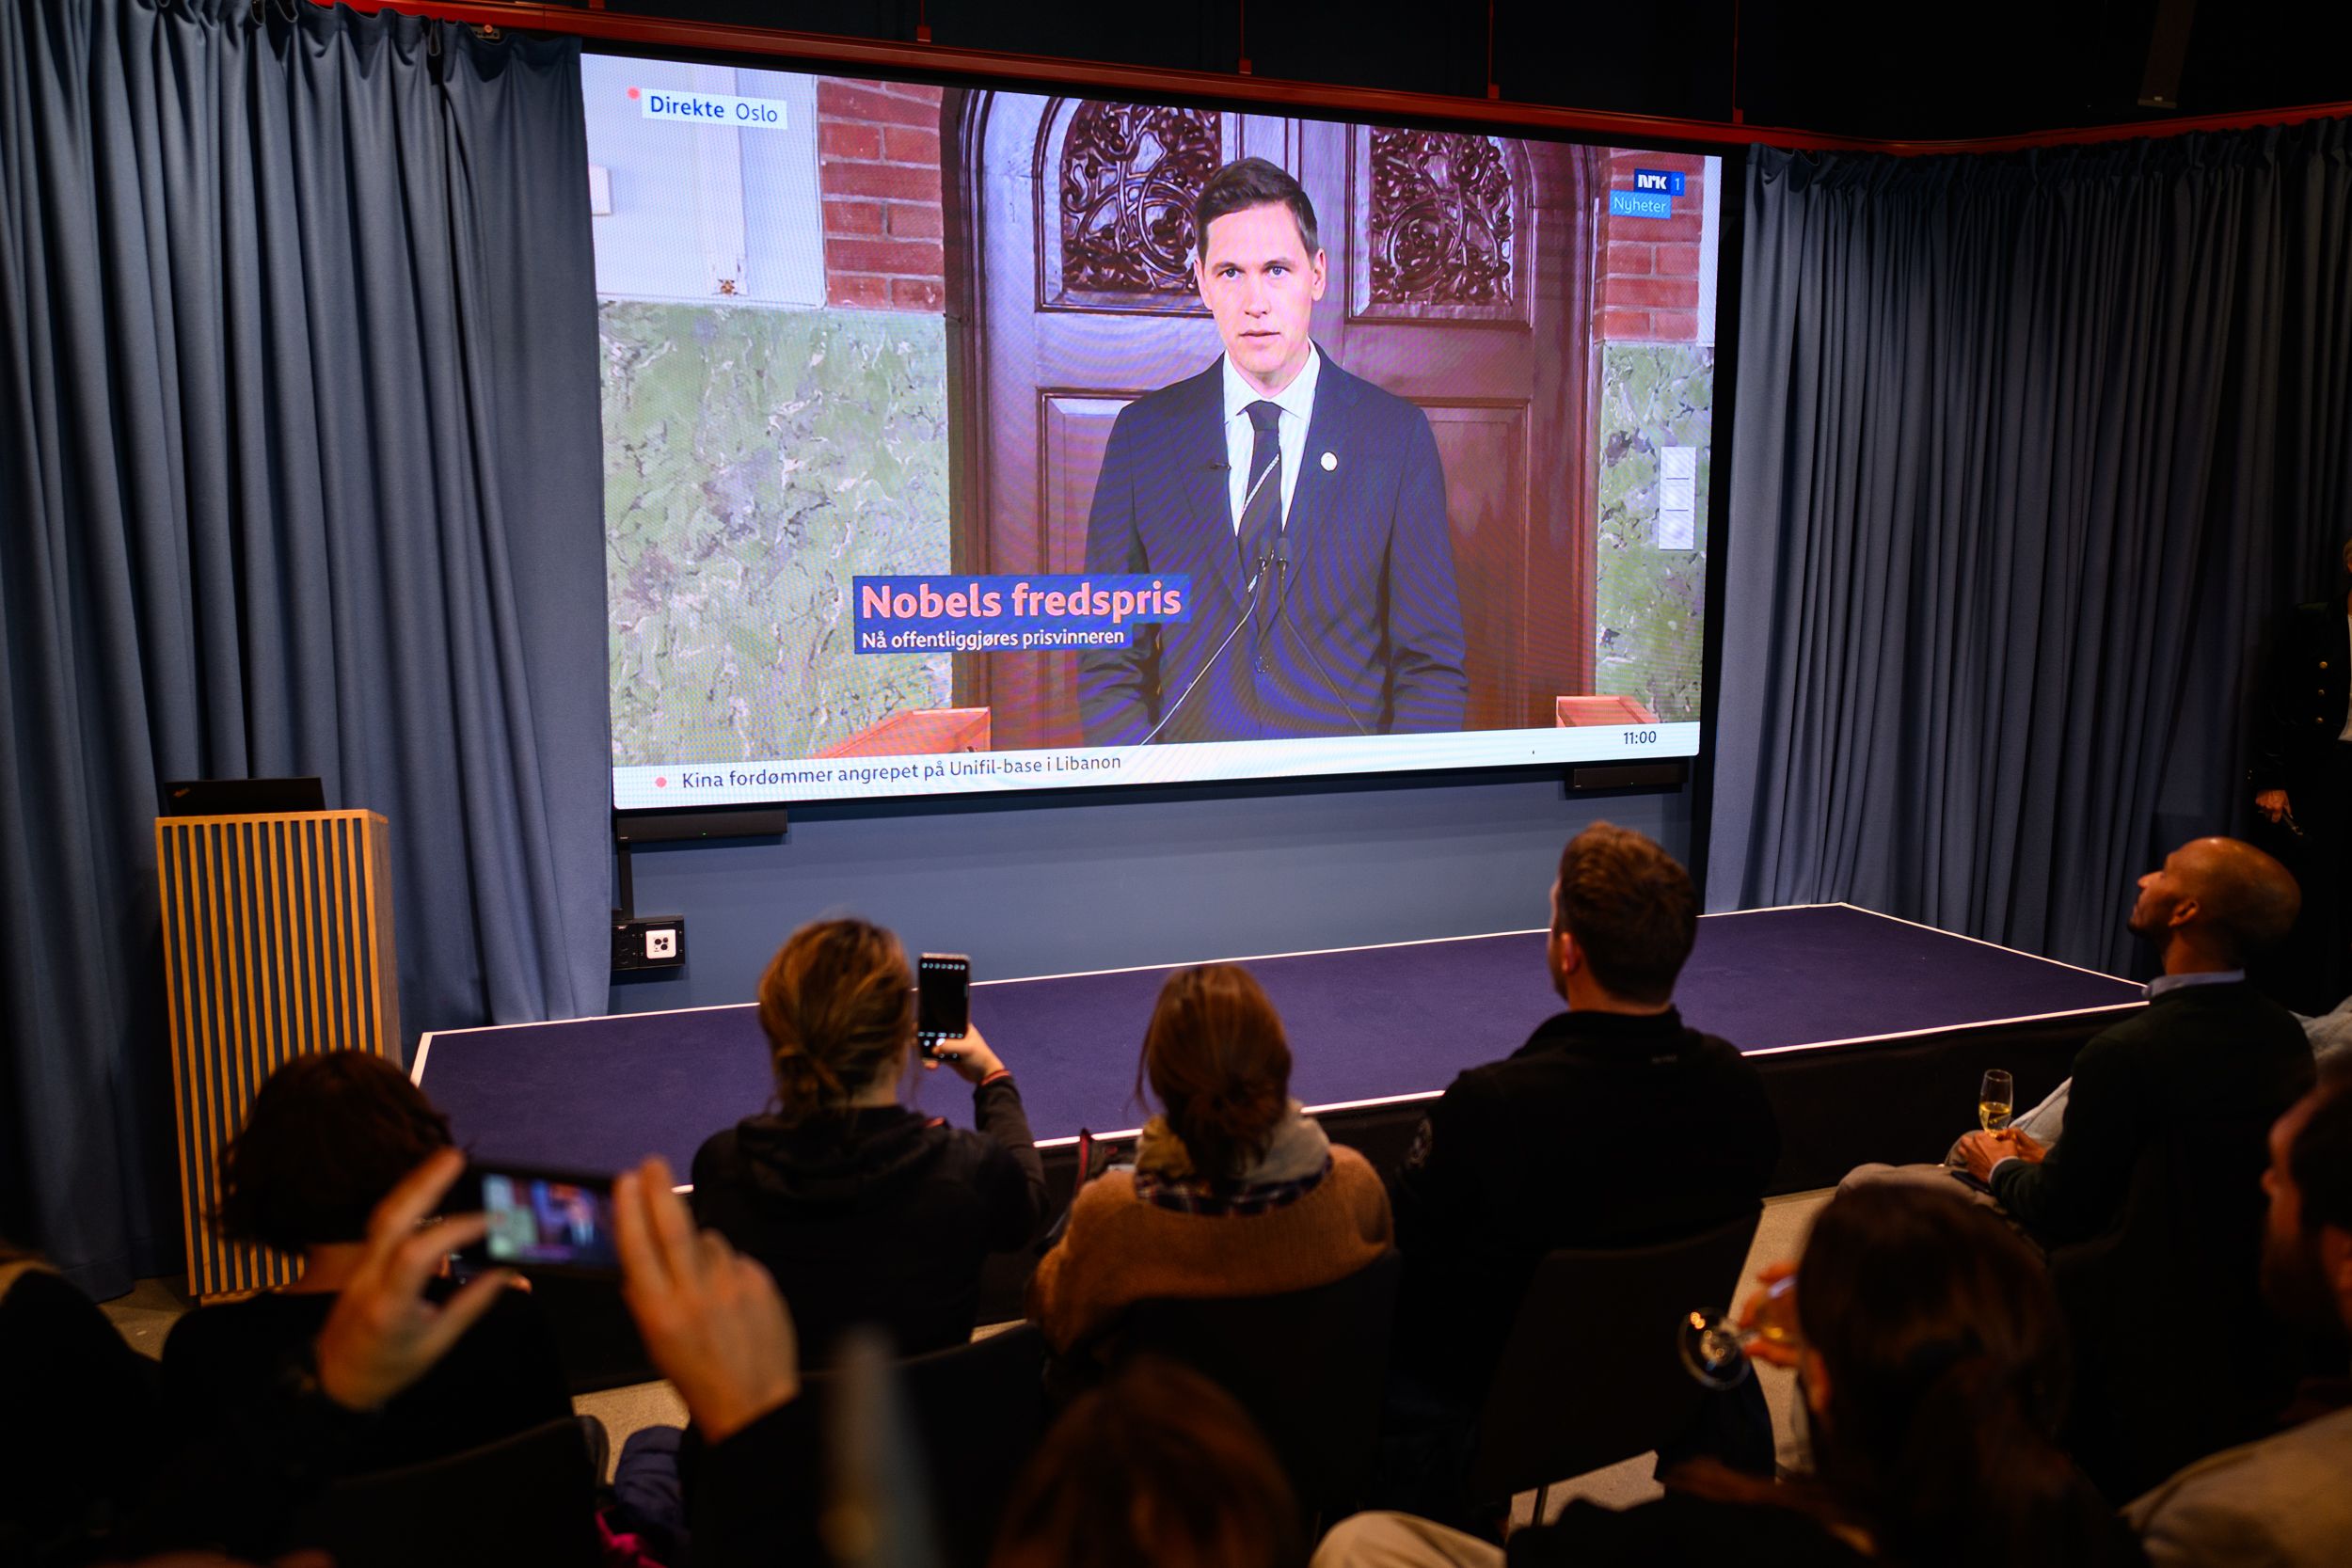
(632, 92)
(662, 784)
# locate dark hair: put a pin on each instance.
(2320, 1158)
(1157, 1468)
(1218, 1062)
(327, 1136)
(1248, 182)
(1632, 908)
(1947, 1370)
(837, 1004)
(2248, 900)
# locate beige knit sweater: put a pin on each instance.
(1120, 1250)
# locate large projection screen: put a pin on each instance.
(929, 444)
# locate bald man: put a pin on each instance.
(2208, 1058)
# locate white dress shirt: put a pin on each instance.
(1297, 403)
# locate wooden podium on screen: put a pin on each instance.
(278, 940)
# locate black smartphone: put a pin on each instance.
(541, 1221)
(942, 1000)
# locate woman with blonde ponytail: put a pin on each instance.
(1234, 1192)
(867, 1211)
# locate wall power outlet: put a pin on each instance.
(649, 941)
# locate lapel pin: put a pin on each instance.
(1330, 462)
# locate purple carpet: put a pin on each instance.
(1365, 1023)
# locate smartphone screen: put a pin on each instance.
(545, 1220)
(942, 1000)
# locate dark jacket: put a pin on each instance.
(2299, 707)
(2155, 1194)
(1604, 1129)
(502, 1377)
(81, 1441)
(2211, 1065)
(880, 1216)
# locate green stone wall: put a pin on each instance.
(1650, 605)
(757, 460)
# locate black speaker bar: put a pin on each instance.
(1665, 774)
(667, 827)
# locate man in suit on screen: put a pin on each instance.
(1307, 505)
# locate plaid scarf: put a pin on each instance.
(1298, 1157)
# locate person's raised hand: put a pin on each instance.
(1772, 1353)
(713, 1320)
(2273, 805)
(383, 1334)
(970, 1056)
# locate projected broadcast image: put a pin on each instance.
(961, 440)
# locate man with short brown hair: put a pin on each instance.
(1614, 1125)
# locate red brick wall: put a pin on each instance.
(878, 173)
(1649, 287)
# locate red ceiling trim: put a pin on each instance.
(874, 56)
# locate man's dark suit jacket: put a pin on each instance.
(2153, 1196)
(1367, 634)
(2213, 1066)
(2299, 709)
(1604, 1129)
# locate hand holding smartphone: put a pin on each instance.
(942, 1002)
(540, 1221)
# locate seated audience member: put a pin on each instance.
(389, 1345)
(2286, 1500)
(863, 1210)
(329, 1138)
(1234, 1191)
(78, 1457)
(1614, 1125)
(1931, 1362)
(2210, 1060)
(2153, 1189)
(1157, 1468)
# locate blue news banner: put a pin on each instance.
(985, 614)
(1652, 195)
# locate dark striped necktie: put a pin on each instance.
(1262, 518)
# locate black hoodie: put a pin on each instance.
(877, 1216)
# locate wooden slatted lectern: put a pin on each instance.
(278, 940)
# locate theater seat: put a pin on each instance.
(526, 1498)
(1591, 1374)
(1310, 1367)
(2175, 1355)
(979, 1413)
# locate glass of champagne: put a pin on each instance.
(1997, 1101)
(1715, 1348)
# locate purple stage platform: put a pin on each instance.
(1869, 1031)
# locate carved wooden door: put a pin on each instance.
(1460, 278)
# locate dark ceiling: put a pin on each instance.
(1845, 66)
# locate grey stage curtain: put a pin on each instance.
(299, 463)
(2027, 449)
